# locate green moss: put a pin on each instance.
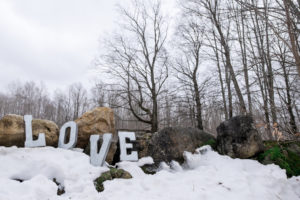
(283, 155)
(99, 181)
(115, 173)
(274, 153)
(211, 142)
(294, 162)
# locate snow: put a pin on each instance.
(205, 175)
(39, 166)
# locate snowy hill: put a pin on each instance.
(29, 173)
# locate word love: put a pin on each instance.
(97, 158)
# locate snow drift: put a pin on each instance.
(28, 173)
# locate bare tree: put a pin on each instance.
(190, 39)
(79, 100)
(138, 60)
(213, 11)
(286, 25)
(286, 92)
(240, 18)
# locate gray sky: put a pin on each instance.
(54, 41)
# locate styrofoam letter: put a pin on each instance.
(29, 142)
(98, 158)
(133, 156)
(73, 135)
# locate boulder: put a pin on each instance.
(170, 143)
(142, 144)
(238, 138)
(97, 121)
(12, 131)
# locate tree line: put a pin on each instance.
(223, 58)
(217, 60)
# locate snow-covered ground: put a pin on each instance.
(206, 175)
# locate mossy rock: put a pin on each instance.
(284, 154)
(110, 175)
(119, 173)
(149, 169)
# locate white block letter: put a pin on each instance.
(98, 158)
(73, 135)
(29, 142)
(124, 146)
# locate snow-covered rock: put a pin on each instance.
(205, 175)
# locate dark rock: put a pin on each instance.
(170, 143)
(149, 169)
(238, 138)
(60, 188)
(142, 144)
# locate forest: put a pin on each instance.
(211, 61)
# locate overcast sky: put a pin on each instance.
(54, 41)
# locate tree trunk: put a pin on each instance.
(292, 37)
(198, 104)
(228, 63)
(288, 102)
(228, 81)
(242, 42)
(222, 84)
